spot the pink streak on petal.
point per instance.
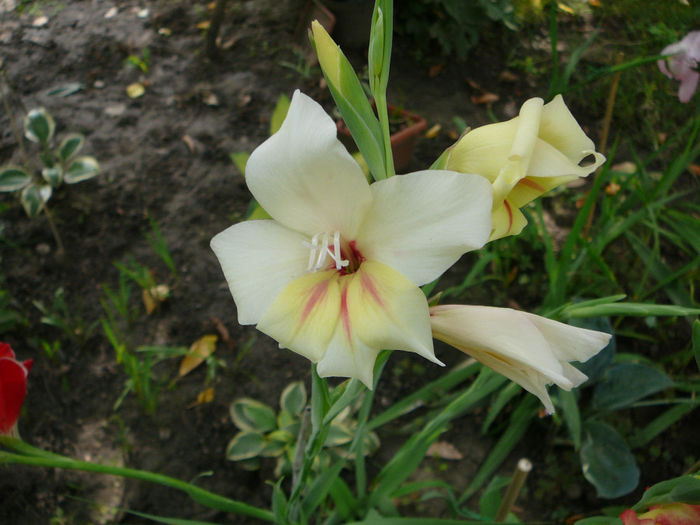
(319, 291)
(368, 285)
(345, 314)
(531, 184)
(510, 215)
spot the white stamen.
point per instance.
(336, 255)
(322, 253)
(313, 248)
(319, 254)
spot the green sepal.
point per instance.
(358, 114)
(13, 179)
(240, 159)
(279, 113)
(82, 168)
(70, 146)
(39, 126)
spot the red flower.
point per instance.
(664, 514)
(13, 388)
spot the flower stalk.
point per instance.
(32, 456)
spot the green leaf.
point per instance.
(288, 422)
(65, 90)
(245, 445)
(279, 503)
(600, 520)
(338, 434)
(70, 146)
(572, 415)
(683, 489)
(696, 341)
(507, 393)
(53, 175)
(596, 366)
(625, 383)
(39, 126)
(273, 447)
(606, 461)
(252, 415)
(293, 398)
(490, 500)
(524, 414)
(13, 179)
(82, 168)
(644, 435)
(34, 198)
(240, 159)
(279, 114)
(632, 309)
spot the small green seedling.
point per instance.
(265, 433)
(57, 164)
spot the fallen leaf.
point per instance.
(189, 142)
(223, 332)
(485, 98)
(435, 70)
(152, 297)
(135, 90)
(210, 99)
(199, 351)
(115, 110)
(204, 25)
(433, 132)
(508, 76)
(206, 396)
(444, 450)
(625, 167)
(694, 169)
(612, 189)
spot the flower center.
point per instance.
(320, 249)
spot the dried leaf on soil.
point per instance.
(199, 351)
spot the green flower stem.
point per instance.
(32, 456)
(383, 114)
(60, 252)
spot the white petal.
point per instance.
(304, 316)
(528, 349)
(386, 310)
(483, 150)
(259, 258)
(547, 161)
(345, 360)
(305, 178)
(421, 223)
(559, 128)
(569, 343)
